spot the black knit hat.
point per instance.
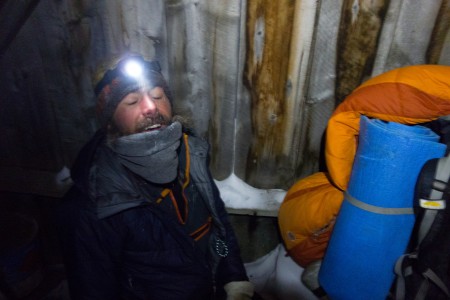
(116, 84)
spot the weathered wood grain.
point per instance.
(360, 26)
(440, 37)
(268, 36)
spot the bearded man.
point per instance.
(144, 218)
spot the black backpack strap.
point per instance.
(434, 278)
(400, 290)
(435, 201)
(431, 199)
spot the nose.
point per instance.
(148, 106)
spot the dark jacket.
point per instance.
(118, 243)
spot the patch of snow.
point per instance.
(239, 195)
(277, 277)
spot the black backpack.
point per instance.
(424, 272)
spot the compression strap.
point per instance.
(378, 209)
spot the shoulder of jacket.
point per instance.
(198, 146)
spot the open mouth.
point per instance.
(153, 127)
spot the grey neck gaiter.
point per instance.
(152, 155)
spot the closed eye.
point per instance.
(156, 95)
(132, 100)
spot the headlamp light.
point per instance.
(131, 68)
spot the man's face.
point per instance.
(143, 110)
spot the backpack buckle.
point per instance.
(438, 204)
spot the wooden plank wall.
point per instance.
(258, 78)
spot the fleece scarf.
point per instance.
(151, 155)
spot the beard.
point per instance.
(150, 121)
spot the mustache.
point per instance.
(152, 120)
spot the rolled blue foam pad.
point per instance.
(366, 242)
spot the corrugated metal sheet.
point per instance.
(258, 78)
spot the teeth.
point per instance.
(153, 126)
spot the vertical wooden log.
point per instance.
(276, 62)
(440, 38)
(269, 28)
(358, 34)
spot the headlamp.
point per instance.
(131, 68)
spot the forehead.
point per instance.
(147, 90)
